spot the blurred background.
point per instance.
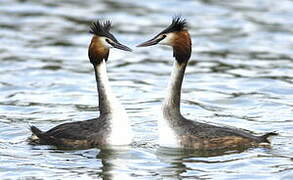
(240, 74)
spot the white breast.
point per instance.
(121, 132)
(167, 136)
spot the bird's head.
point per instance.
(176, 36)
(102, 41)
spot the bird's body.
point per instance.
(79, 134)
(113, 126)
(98, 132)
(174, 129)
(192, 134)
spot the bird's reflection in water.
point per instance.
(114, 163)
(177, 160)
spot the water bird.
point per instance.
(112, 127)
(174, 129)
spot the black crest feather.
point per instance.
(102, 29)
(178, 24)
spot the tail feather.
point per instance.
(36, 131)
(42, 138)
(264, 138)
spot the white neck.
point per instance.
(108, 103)
(111, 107)
(171, 115)
(171, 104)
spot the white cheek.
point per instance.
(104, 42)
(168, 40)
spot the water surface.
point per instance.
(240, 74)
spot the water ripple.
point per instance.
(240, 74)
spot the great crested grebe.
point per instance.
(113, 126)
(174, 129)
